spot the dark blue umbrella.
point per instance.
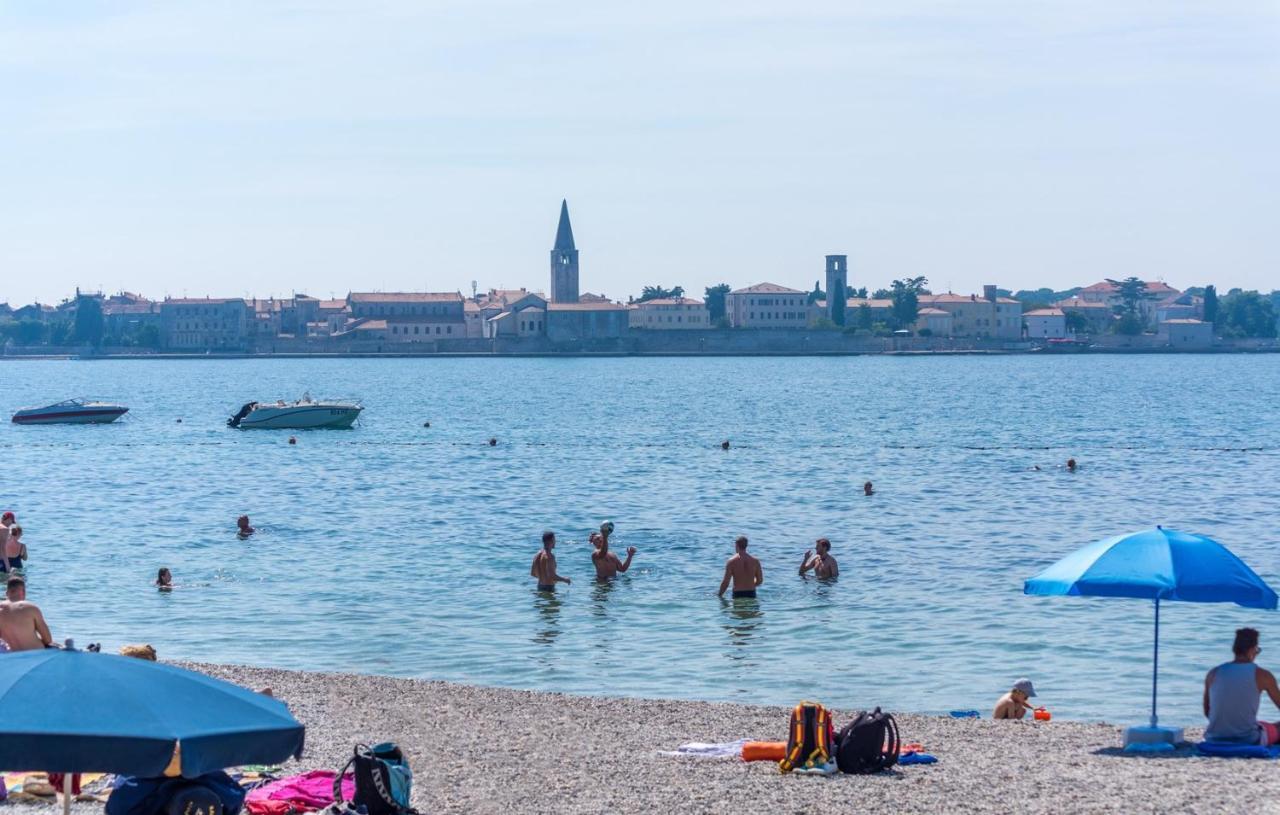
(1156, 564)
(73, 711)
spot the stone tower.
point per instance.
(564, 261)
(837, 284)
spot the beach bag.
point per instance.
(210, 794)
(809, 737)
(383, 780)
(868, 744)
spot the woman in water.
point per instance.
(15, 551)
(164, 580)
(244, 530)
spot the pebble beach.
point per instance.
(487, 750)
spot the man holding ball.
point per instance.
(607, 563)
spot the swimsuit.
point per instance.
(546, 587)
(15, 563)
(748, 594)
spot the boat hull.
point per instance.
(293, 417)
(81, 416)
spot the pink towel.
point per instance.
(309, 791)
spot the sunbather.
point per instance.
(1232, 692)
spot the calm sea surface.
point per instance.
(393, 548)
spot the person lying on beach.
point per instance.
(743, 571)
(1015, 704)
(15, 551)
(822, 564)
(607, 563)
(1231, 694)
(243, 528)
(164, 580)
(22, 626)
(544, 565)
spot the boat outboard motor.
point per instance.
(234, 421)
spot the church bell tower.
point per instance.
(564, 261)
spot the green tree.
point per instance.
(861, 293)
(1131, 291)
(88, 324)
(864, 320)
(881, 294)
(1247, 314)
(1077, 323)
(715, 301)
(148, 336)
(906, 301)
(60, 333)
(1210, 304)
(659, 293)
(817, 293)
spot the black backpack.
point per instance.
(382, 779)
(868, 744)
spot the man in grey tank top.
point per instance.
(1231, 694)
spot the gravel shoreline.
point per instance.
(494, 750)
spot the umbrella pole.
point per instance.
(1155, 666)
(66, 794)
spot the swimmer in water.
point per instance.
(7, 520)
(242, 525)
(1071, 465)
(867, 489)
(743, 571)
(822, 564)
(724, 445)
(15, 551)
(164, 580)
(607, 563)
(544, 565)
(493, 442)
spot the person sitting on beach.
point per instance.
(822, 564)
(164, 580)
(743, 571)
(1015, 704)
(15, 551)
(544, 565)
(22, 626)
(607, 563)
(243, 528)
(1232, 692)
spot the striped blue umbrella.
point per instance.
(1156, 564)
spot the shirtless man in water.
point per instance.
(822, 564)
(22, 626)
(607, 563)
(743, 570)
(544, 565)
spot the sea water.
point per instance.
(401, 549)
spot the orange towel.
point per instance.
(764, 751)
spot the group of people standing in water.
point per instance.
(22, 624)
(742, 571)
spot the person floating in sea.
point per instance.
(22, 626)
(743, 571)
(867, 489)
(493, 442)
(607, 563)
(14, 550)
(243, 528)
(1231, 695)
(822, 564)
(1015, 704)
(1071, 465)
(164, 580)
(544, 565)
(724, 445)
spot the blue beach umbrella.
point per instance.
(74, 711)
(1156, 564)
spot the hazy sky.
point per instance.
(266, 147)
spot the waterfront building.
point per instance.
(937, 322)
(1107, 293)
(988, 316)
(670, 313)
(412, 316)
(1179, 307)
(837, 286)
(1098, 315)
(1187, 334)
(1046, 324)
(586, 321)
(205, 324)
(877, 311)
(564, 261)
(767, 305)
(127, 319)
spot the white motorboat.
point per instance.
(72, 411)
(304, 414)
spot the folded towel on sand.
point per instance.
(298, 793)
(1221, 750)
(699, 749)
(917, 758)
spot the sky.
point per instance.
(243, 147)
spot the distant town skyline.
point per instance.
(253, 149)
